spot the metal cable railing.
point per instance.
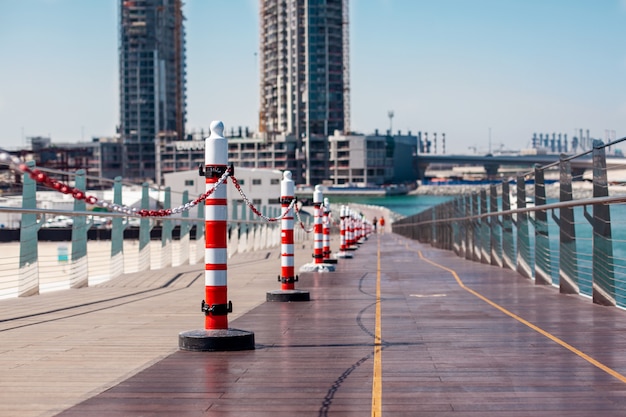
(577, 244)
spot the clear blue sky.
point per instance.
(463, 67)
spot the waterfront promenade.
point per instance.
(399, 330)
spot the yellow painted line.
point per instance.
(377, 383)
(550, 336)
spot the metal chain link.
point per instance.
(43, 178)
(254, 209)
(301, 222)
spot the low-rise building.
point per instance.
(370, 160)
(360, 160)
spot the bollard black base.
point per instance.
(330, 261)
(216, 340)
(288, 295)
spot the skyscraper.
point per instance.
(304, 72)
(152, 81)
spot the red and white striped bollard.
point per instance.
(318, 228)
(287, 271)
(287, 275)
(343, 234)
(326, 230)
(216, 335)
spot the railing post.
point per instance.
(79, 277)
(469, 227)
(495, 232)
(432, 236)
(200, 235)
(166, 231)
(568, 261)
(441, 227)
(448, 226)
(185, 227)
(244, 229)
(117, 233)
(216, 335)
(477, 240)
(543, 264)
(460, 224)
(143, 259)
(29, 263)
(485, 241)
(457, 229)
(508, 247)
(524, 264)
(603, 272)
(264, 231)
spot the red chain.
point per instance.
(302, 225)
(48, 181)
(44, 179)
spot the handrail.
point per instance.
(572, 157)
(544, 207)
(569, 249)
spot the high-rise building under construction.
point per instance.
(304, 73)
(152, 82)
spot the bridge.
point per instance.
(492, 163)
(464, 310)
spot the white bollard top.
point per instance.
(217, 129)
(287, 185)
(318, 195)
(216, 145)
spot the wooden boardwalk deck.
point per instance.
(399, 330)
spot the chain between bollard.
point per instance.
(44, 179)
(301, 222)
(256, 210)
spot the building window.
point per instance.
(256, 181)
(189, 183)
(274, 181)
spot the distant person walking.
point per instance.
(375, 222)
(382, 224)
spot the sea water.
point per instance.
(404, 205)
